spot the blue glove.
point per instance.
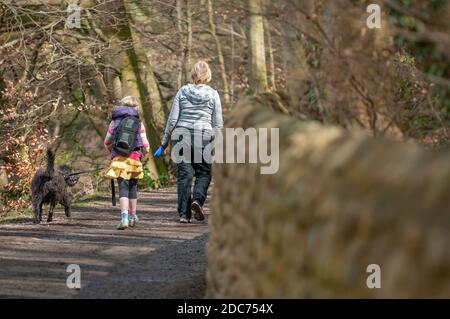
(159, 152)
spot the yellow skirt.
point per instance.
(126, 168)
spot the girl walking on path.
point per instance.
(197, 110)
(127, 169)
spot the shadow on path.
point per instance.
(159, 258)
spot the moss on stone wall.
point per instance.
(340, 201)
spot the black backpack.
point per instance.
(125, 136)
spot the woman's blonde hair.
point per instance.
(130, 101)
(200, 73)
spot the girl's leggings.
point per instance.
(127, 188)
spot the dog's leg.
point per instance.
(65, 203)
(40, 211)
(50, 211)
(37, 204)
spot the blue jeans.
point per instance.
(186, 170)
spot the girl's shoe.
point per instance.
(133, 220)
(184, 220)
(123, 225)
(123, 221)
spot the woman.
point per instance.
(198, 106)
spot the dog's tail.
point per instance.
(50, 162)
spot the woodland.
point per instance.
(63, 68)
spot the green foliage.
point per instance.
(315, 93)
(428, 58)
(64, 157)
(404, 90)
(7, 196)
(149, 182)
(20, 216)
(79, 96)
(313, 51)
(2, 87)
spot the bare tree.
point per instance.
(212, 26)
(258, 69)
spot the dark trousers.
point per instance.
(127, 188)
(186, 171)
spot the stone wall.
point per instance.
(340, 201)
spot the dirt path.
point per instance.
(160, 258)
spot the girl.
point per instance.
(127, 170)
(196, 105)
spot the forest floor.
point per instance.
(159, 258)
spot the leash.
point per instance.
(85, 172)
(113, 188)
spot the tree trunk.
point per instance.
(272, 83)
(117, 88)
(232, 64)
(152, 99)
(296, 67)
(181, 62)
(258, 70)
(188, 48)
(130, 86)
(138, 80)
(212, 26)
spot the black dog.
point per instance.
(49, 186)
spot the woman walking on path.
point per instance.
(197, 110)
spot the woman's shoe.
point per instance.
(197, 209)
(184, 220)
